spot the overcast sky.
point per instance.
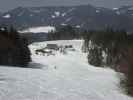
(10, 4)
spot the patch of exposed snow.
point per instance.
(7, 16)
(44, 29)
(78, 26)
(70, 10)
(63, 24)
(115, 8)
(68, 19)
(53, 16)
(63, 14)
(2, 29)
(97, 11)
(57, 13)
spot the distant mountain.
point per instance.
(126, 10)
(84, 16)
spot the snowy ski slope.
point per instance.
(60, 77)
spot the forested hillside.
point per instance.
(14, 49)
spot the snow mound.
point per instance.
(41, 29)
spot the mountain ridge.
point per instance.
(84, 16)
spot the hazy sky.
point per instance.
(10, 4)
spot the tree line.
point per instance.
(64, 33)
(14, 49)
(112, 48)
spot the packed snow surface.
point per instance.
(44, 29)
(59, 77)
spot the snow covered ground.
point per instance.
(41, 29)
(60, 77)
